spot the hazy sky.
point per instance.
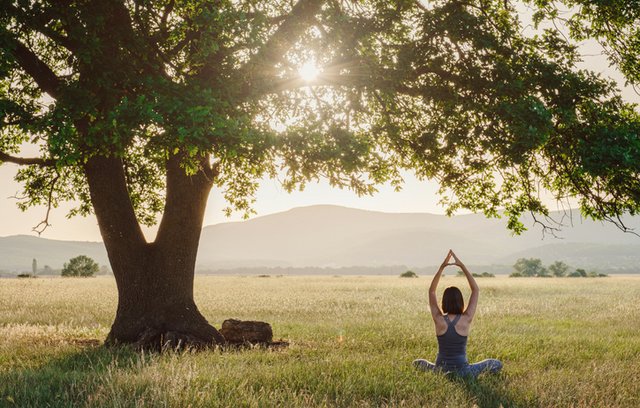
(416, 196)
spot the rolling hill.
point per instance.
(17, 252)
(332, 236)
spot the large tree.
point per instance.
(139, 107)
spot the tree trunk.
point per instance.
(155, 280)
(156, 307)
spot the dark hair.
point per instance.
(452, 301)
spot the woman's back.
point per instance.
(452, 347)
(462, 325)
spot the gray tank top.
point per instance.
(452, 347)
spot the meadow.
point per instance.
(565, 342)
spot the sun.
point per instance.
(309, 71)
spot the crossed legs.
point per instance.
(490, 365)
(424, 365)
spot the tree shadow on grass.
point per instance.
(490, 391)
(65, 380)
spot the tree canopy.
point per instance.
(448, 89)
(559, 268)
(529, 267)
(614, 24)
(81, 265)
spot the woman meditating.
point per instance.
(453, 324)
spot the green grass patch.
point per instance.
(564, 343)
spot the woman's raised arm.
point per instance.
(433, 300)
(475, 290)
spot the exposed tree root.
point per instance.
(243, 335)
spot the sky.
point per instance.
(416, 196)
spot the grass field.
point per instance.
(564, 342)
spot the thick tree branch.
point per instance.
(39, 23)
(112, 204)
(119, 16)
(168, 8)
(44, 76)
(421, 5)
(183, 217)
(26, 161)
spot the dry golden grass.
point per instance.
(565, 342)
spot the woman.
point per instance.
(453, 324)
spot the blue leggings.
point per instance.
(490, 365)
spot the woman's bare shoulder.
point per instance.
(441, 325)
(464, 325)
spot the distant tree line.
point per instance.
(314, 270)
(81, 265)
(477, 275)
(533, 267)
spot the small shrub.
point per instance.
(582, 272)
(408, 274)
(26, 275)
(516, 275)
(478, 275)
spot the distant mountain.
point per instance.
(332, 236)
(18, 251)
